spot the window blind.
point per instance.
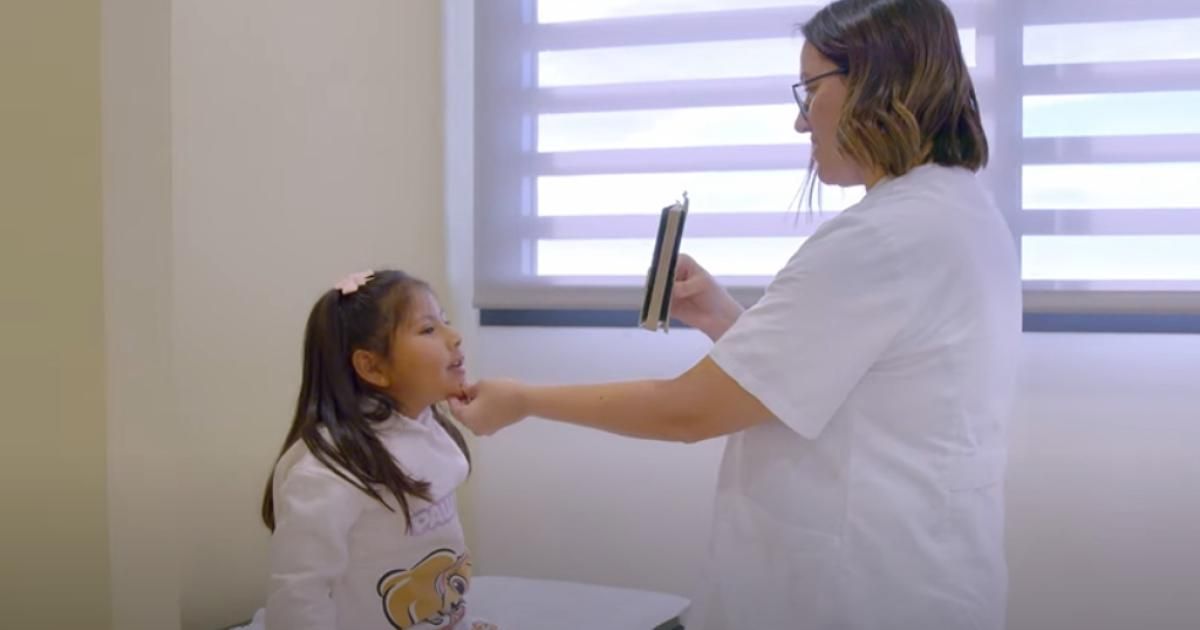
(592, 116)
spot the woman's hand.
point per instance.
(698, 301)
(490, 405)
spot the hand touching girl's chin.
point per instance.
(490, 405)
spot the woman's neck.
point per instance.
(874, 176)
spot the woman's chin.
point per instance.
(837, 177)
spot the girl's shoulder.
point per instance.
(298, 462)
(305, 488)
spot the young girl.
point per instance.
(361, 502)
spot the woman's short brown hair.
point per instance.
(910, 99)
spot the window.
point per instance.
(591, 116)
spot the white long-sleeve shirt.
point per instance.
(342, 561)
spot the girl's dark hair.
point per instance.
(910, 100)
(336, 409)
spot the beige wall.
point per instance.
(306, 143)
(143, 441)
(53, 534)
(251, 155)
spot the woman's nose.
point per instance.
(801, 124)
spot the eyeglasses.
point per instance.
(800, 90)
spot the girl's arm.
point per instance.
(702, 403)
(314, 511)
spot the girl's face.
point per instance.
(425, 362)
(826, 96)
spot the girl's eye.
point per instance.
(428, 330)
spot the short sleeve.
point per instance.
(824, 320)
(314, 512)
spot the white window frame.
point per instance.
(504, 159)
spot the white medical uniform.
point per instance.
(887, 350)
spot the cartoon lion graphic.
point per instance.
(430, 592)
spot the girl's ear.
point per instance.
(369, 368)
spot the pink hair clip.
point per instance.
(354, 282)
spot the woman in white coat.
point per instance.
(865, 396)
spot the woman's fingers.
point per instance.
(684, 289)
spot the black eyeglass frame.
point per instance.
(800, 89)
